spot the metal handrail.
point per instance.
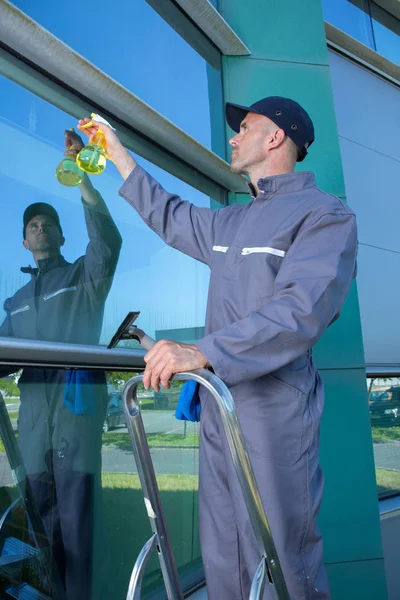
(269, 571)
(23, 353)
(35, 353)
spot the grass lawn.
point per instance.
(122, 440)
(385, 434)
(146, 403)
(128, 526)
(387, 480)
(166, 483)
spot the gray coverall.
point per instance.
(61, 450)
(281, 268)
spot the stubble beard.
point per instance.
(237, 166)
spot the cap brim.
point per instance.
(235, 113)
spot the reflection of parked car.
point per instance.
(374, 396)
(385, 407)
(115, 412)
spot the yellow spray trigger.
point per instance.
(87, 125)
(98, 119)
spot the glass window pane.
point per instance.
(384, 408)
(174, 449)
(366, 147)
(141, 51)
(352, 17)
(78, 502)
(168, 287)
(386, 32)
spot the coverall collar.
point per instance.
(284, 184)
(45, 264)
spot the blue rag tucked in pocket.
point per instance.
(189, 407)
(79, 392)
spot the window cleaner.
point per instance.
(92, 157)
(67, 172)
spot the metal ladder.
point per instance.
(268, 572)
(15, 552)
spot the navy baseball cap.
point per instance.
(40, 208)
(284, 112)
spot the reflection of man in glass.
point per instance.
(62, 412)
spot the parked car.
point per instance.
(115, 412)
(385, 407)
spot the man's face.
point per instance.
(249, 146)
(43, 235)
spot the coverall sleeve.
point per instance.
(102, 253)
(311, 286)
(6, 331)
(179, 223)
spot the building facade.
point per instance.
(160, 72)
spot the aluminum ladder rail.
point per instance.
(268, 572)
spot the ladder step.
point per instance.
(14, 546)
(11, 559)
(24, 591)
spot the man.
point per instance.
(60, 426)
(281, 268)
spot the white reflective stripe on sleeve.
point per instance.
(23, 309)
(263, 250)
(61, 291)
(220, 248)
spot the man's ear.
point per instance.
(277, 138)
(62, 241)
(25, 245)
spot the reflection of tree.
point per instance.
(118, 379)
(371, 384)
(9, 385)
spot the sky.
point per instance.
(163, 70)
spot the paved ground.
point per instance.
(387, 455)
(183, 460)
(165, 460)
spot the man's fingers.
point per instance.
(154, 351)
(155, 381)
(147, 378)
(151, 375)
(88, 131)
(165, 376)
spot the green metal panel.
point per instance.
(349, 515)
(289, 57)
(247, 80)
(363, 580)
(279, 29)
(340, 347)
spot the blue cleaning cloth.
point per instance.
(189, 407)
(79, 392)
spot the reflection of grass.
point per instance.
(13, 415)
(122, 440)
(387, 480)
(385, 434)
(2, 449)
(128, 525)
(146, 403)
(166, 483)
